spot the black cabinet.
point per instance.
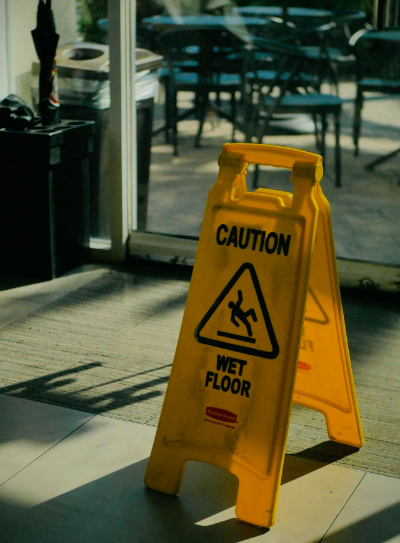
(45, 198)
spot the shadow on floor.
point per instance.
(368, 316)
(377, 528)
(118, 507)
(327, 452)
(45, 389)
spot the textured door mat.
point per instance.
(108, 347)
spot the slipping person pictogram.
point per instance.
(242, 304)
(243, 316)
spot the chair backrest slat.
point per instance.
(206, 51)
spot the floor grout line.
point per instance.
(49, 449)
(344, 505)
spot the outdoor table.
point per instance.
(278, 11)
(161, 22)
(217, 24)
(302, 16)
(382, 35)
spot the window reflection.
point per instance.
(337, 48)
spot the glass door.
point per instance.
(364, 207)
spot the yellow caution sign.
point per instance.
(247, 331)
(324, 379)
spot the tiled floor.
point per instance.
(29, 429)
(373, 512)
(71, 477)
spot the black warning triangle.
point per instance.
(314, 310)
(220, 335)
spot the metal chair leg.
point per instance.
(324, 125)
(167, 109)
(338, 158)
(203, 108)
(249, 121)
(256, 176)
(316, 131)
(174, 119)
(233, 114)
(357, 120)
(261, 132)
(382, 159)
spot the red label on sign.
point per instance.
(221, 414)
(303, 365)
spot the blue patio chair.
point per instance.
(289, 95)
(200, 61)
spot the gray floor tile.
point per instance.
(28, 429)
(372, 515)
(90, 488)
(311, 496)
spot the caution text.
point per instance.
(232, 366)
(253, 239)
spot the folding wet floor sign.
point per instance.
(263, 305)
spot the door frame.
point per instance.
(4, 51)
(179, 250)
(122, 167)
(176, 249)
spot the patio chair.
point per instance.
(198, 61)
(382, 55)
(292, 95)
(327, 41)
(332, 44)
(286, 32)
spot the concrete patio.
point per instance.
(364, 211)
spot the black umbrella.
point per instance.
(46, 39)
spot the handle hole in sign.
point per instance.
(271, 178)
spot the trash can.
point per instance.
(45, 203)
(84, 91)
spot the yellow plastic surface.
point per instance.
(229, 395)
(324, 379)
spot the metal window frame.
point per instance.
(180, 250)
(4, 51)
(123, 207)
